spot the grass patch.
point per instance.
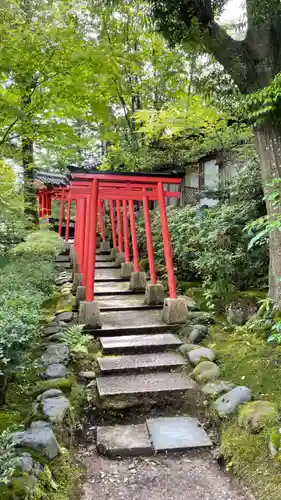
(247, 359)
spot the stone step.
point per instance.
(133, 322)
(103, 258)
(113, 287)
(106, 265)
(124, 302)
(108, 275)
(140, 362)
(155, 435)
(139, 343)
(144, 384)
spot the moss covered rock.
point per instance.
(206, 371)
(255, 415)
(184, 349)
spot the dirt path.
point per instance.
(173, 477)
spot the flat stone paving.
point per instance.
(124, 440)
(103, 258)
(138, 362)
(117, 302)
(137, 320)
(177, 434)
(144, 383)
(108, 275)
(127, 342)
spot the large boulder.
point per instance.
(199, 317)
(229, 402)
(66, 317)
(40, 437)
(255, 415)
(206, 371)
(201, 354)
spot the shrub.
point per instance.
(214, 248)
(26, 282)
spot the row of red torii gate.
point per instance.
(89, 191)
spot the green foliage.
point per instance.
(26, 281)
(77, 341)
(8, 458)
(214, 248)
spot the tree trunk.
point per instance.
(268, 138)
(30, 201)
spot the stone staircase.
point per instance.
(140, 366)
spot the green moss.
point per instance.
(248, 457)
(9, 418)
(249, 360)
(65, 384)
(275, 438)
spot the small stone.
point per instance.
(198, 333)
(50, 330)
(186, 348)
(50, 393)
(26, 462)
(65, 316)
(255, 415)
(199, 317)
(206, 371)
(229, 402)
(88, 375)
(57, 337)
(216, 388)
(201, 354)
(39, 438)
(55, 408)
(56, 370)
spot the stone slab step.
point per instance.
(126, 343)
(140, 362)
(124, 302)
(148, 383)
(133, 322)
(106, 265)
(108, 275)
(177, 434)
(103, 258)
(124, 440)
(99, 252)
(113, 287)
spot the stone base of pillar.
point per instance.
(114, 253)
(80, 295)
(77, 281)
(66, 247)
(175, 311)
(120, 259)
(104, 247)
(89, 314)
(138, 281)
(127, 268)
(154, 294)
(98, 241)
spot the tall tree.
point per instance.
(252, 62)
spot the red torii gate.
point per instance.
(90, 190)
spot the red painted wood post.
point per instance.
(92, 242)
(114, 240)
(82, 235)
(61, 212)
(39, 203)
(68, 217)
(134, 237)
(167, 242)
(101, 218)
(119, 226)
(126, 232)
(149, 240)
(87, 229)
(76, 233)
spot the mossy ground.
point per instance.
(247, 359)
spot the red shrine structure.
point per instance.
(91, 192)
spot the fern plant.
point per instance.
(76, 341)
